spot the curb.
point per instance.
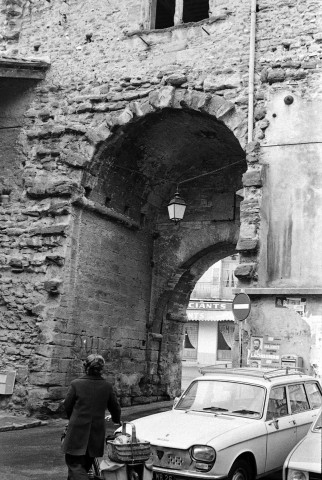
(125, 411)
(23, 426)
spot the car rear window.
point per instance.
(231, 398)
(298, 400)
(314, 394)
(317, 425)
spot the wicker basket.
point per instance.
(133, 452)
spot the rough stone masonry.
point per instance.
(89, 158)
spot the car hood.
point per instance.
(181, 429)
(307, 454)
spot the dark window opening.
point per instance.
(126, 210)
(88, 191)
(107, 201)
(195, 10)
(164, 16)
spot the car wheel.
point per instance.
(241, 470)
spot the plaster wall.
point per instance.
(295, 331)
(292, 195)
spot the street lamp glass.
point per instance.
(176, 208)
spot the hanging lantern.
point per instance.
(176, 208)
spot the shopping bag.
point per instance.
(112, 471)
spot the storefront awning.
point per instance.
(209, 316)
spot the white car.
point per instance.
(235, 423)
(304, 461)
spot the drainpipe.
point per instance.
(251, 70)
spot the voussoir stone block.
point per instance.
(176, 79)
(125, 117)
(164, 98)
(74, 159)
(247, 244)
(245, 270)
(252, 178)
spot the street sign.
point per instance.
(241, 306)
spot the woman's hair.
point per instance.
(94, 364)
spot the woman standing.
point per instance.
(87, 399)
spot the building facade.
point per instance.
(210, 329)
(105, 107)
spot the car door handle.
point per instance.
(275, 423)
(293, 421)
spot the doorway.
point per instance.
(209, 332)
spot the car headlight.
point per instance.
(203, 453)
(297, 475)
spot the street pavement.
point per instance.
(30, 449)
(32, 452)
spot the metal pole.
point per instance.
(251, 70)
(240, 344)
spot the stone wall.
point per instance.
(61, 237)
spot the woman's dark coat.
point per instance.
(87, 399)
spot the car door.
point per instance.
(314, 395)
(300, 409)
(281, 431)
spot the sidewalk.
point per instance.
(19, 422)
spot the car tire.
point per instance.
(241, 470)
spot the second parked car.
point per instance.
(305, 460)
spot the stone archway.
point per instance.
(111, 193)
(170, 314)
(130, 180)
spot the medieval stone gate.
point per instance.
(91, 153)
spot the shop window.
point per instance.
(164, 16)
(195, 10)
(190, 343)
(225, 340)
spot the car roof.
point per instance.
(255, 375)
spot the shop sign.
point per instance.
(200, 305)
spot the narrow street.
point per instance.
(34, 454)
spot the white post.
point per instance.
(178, 14)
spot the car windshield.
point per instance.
(223, 397)
(317, 425)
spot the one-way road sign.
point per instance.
(241, 306)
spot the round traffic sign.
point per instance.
(241, 306)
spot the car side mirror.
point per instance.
(175, 402)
